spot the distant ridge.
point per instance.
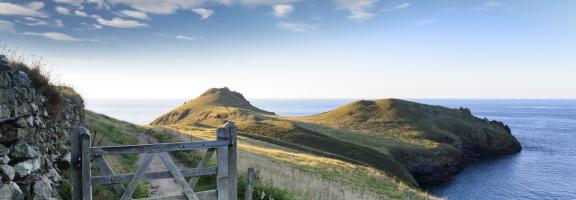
(413, 141)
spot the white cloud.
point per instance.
(32, 9)
(62, 10)
(7, 26)
(399, 7)
(426, 21)
(162, 7)
(100, 4)
(295, 27)
(183, 37)
(87, 26)
(59, 37)
(59, 23)
(359, 9)
(80, 13)
(135, 14)
(31, 21)
(265, 2)
(204, 13)
(282, 9)
(121, 23)
(71, 2)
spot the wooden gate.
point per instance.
(226, 172)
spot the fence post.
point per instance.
(76, 167)
(232, 160)
(250, 185)
(222, 185)
(86, 166)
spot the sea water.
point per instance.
(545, 169)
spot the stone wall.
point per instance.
(34, 127)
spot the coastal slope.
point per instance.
(415, 142)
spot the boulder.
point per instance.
(22, 151)
(26, 167)
(11, 191)
(4, 150)
(7, 172)
(42, 190)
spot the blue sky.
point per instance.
(301, 48)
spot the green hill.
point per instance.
(414, 142)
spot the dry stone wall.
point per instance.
(34, 148)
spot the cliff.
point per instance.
(35, 120)
(413, 141)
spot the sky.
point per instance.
(165, 49)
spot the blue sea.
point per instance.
(545, 169)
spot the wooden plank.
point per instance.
(107, 170)
(204, 195)
(119, 178)
(86, 166)
(203, 163)
(76, 169)
(250, 185)
(157, 148)
(137, 177)
(178, 176)
(222, 176)
(232, 161)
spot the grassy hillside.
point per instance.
(409, 140)
(287, 168)
(107, 131)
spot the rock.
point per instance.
(53, 175)
(4, 159)
(26, 167)
(22, 79)
(30, 121)
(4, 112)
(4, 150)
(42, 189)
(22, 151)
(7, 172)
(11, 191)
(4, 63)
(21, 123)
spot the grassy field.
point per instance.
(306, 175)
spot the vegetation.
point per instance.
(408, 140)
(107, 131)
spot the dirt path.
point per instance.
(159, 187)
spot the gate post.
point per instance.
(81, 169)
(227, 172)
(86, 164)
(232, 160)
(76, 167)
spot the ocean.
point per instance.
(545, 169)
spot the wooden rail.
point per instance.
(226, 170)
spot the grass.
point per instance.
(114, 132)
(107, 131)
(308, 176)
(409, 140)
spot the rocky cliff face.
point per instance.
(35, 120)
